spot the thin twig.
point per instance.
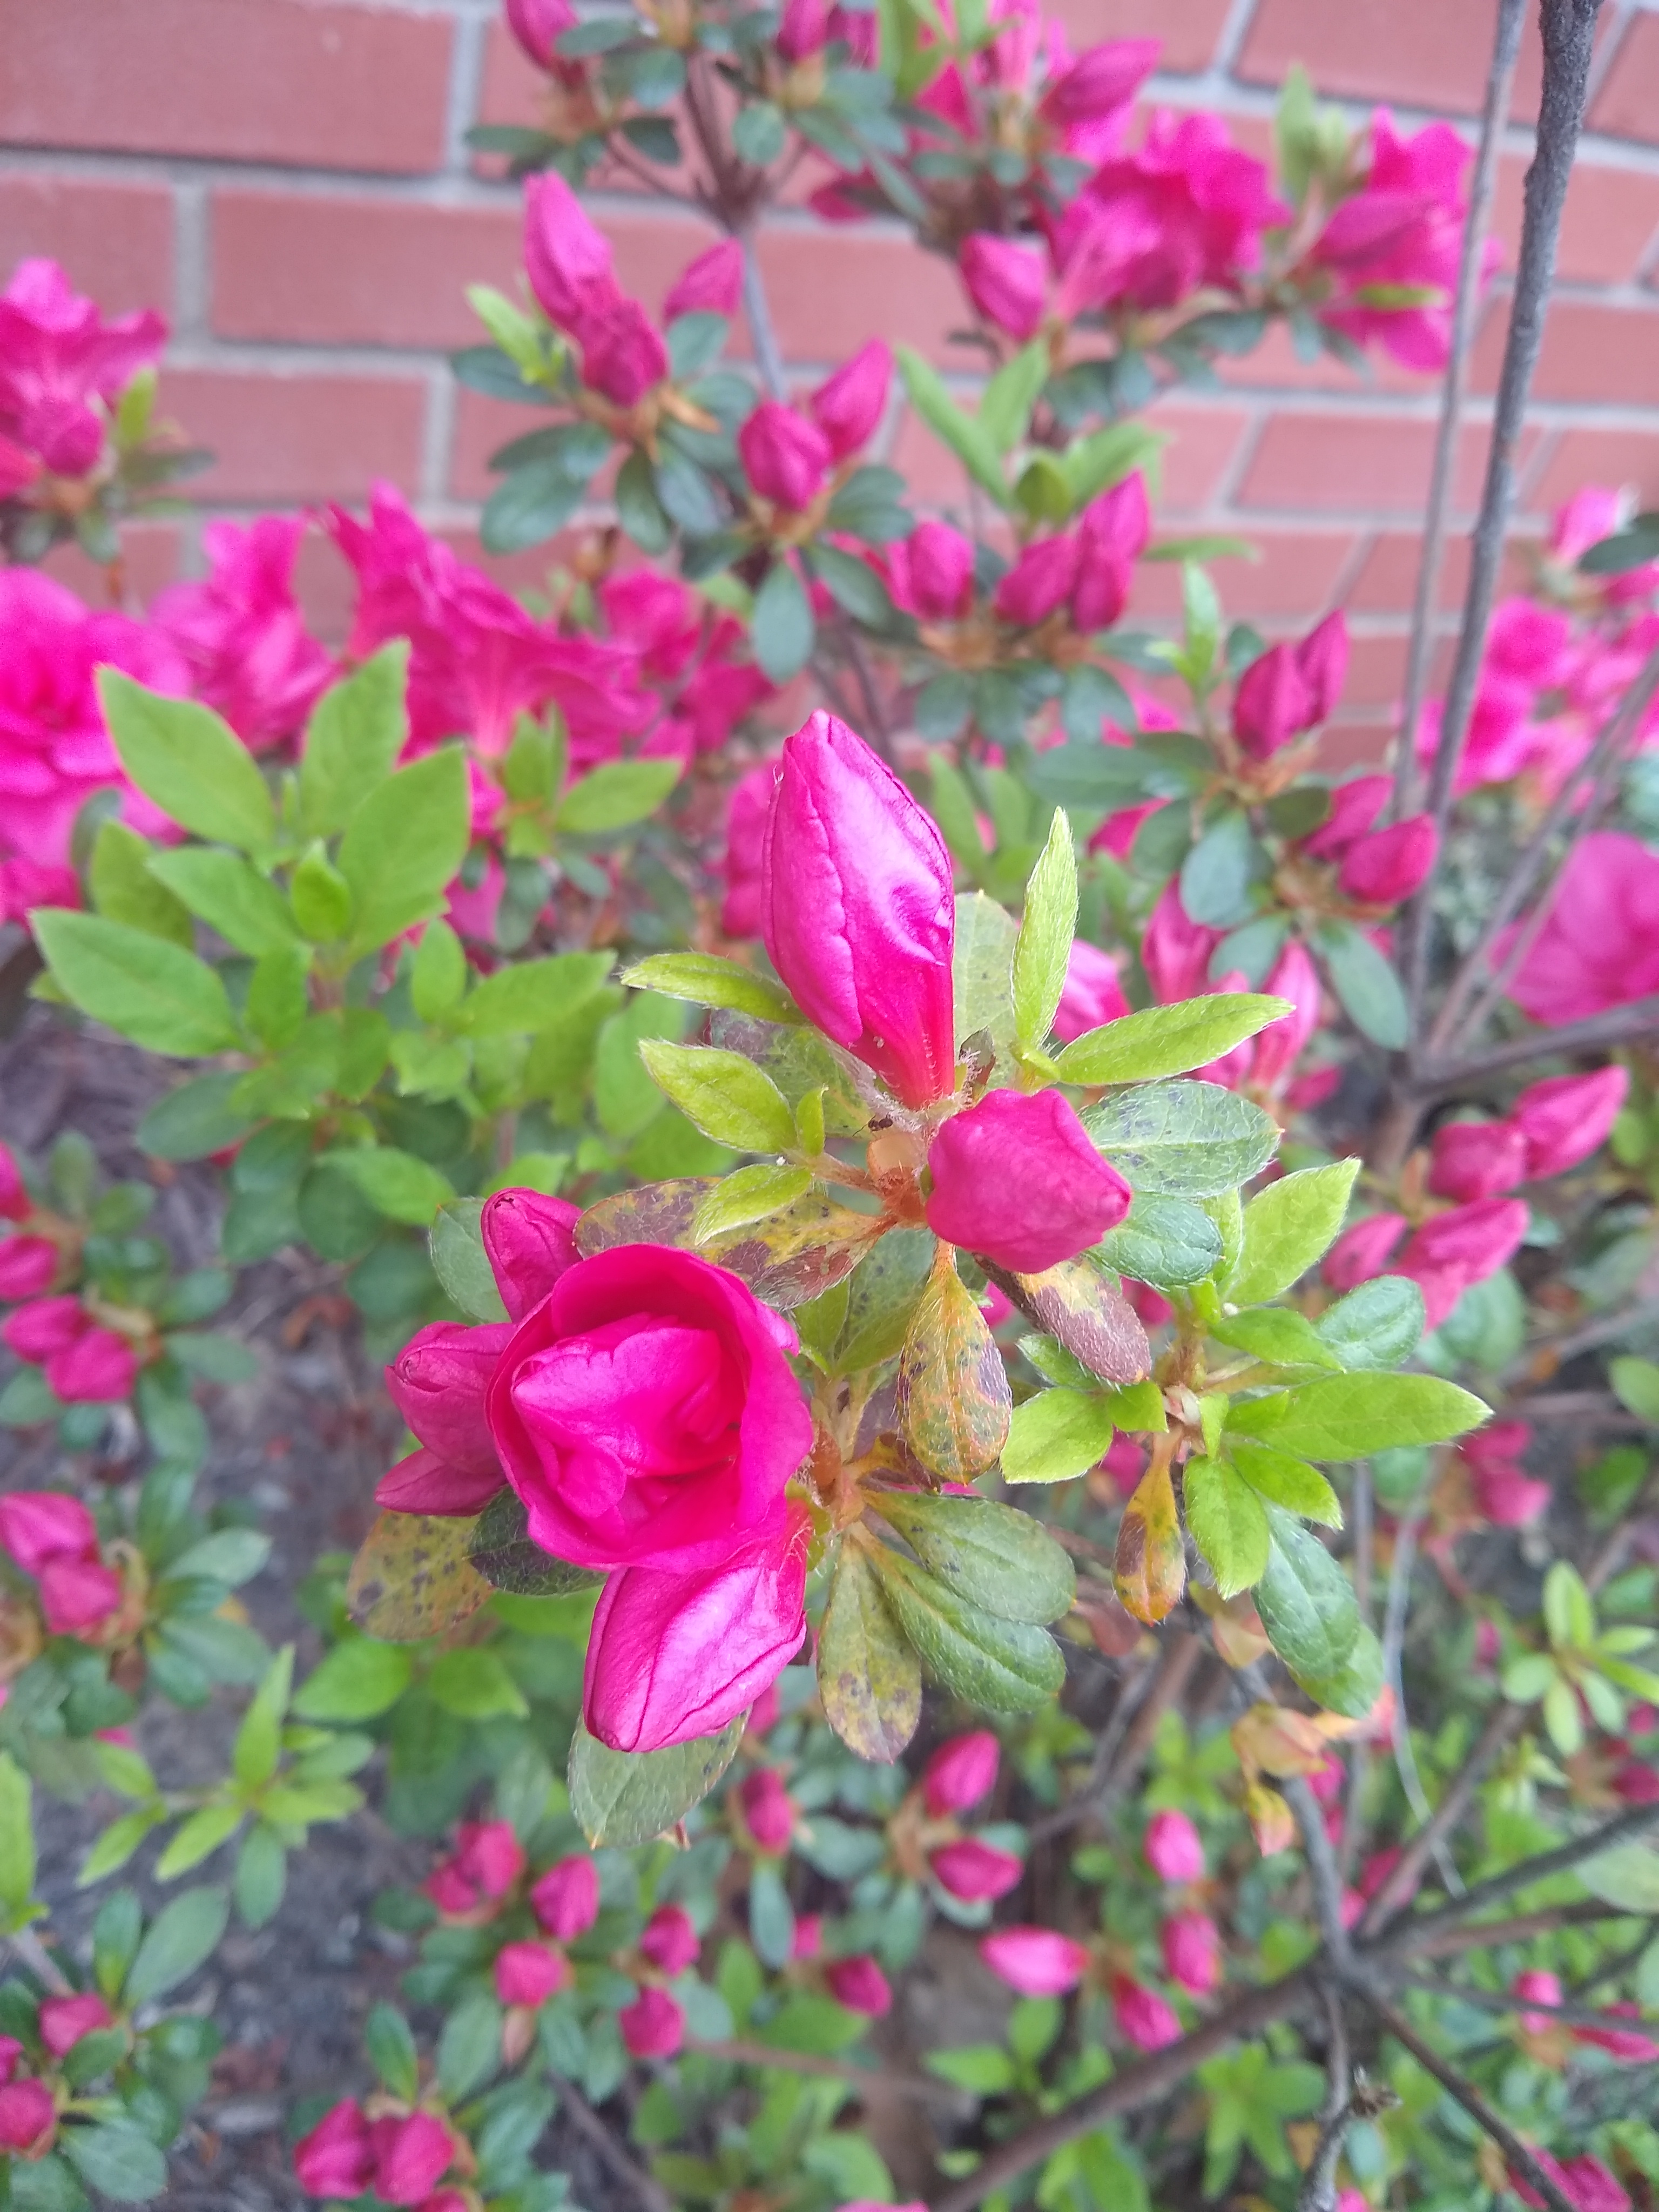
(32, 1954)
(1500, 77)
(1504, 2002)
(1413, 1942)
(1618, 1025)
(1503, 1723)
(1141, 1705)
(1622, 1829)
(1318, 2190)
(1569, 35)
(586, 2121)
(883, 2081)
(1520, 2159)
(1393, 1638)
(768, 359)
(1606, 1328)
(1322, 1868)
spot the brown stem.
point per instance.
(1318, 2190)
(1503, 1725)
(643, 2186)
(1621, 1830)
(1520, 2159)
(1451, 1942)
(1504, 2002)
(887, 2082)
(1122, 1747)
(1619, 1025)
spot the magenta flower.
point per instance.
(975, 1871)
(670, 1940)
(1584, 2182)
(411, 2156)
(1624, 2044)
(1386, 865)
(1144, 2019)
(566, 258)
(1191, 1944)
(486, 1865)
(1112, 533)
(931, 572)
(653, 2026)
(537, 25)
(1504, 1493)
(336, 2159)
(1006, 281)
(565, 1898)
(786, 457)
(243, 634)
(1173, 1848)
(78, 1596)
(710, 285)
(804, 30)
(1035, 1961)
(57, 356)
(622, 352)
(64, 2020)
(848, 406)
(858, 909)
(1361, 1253)
(1599, 946)
(1089, 102)
(745, 844)
(1537, 1988)
(768, 1813)
(960, 1772)
(38, 1525)
(1040, 581)
(529, 1973)
(860, 1985)
(28, 1265)
(1477, 1159)
(28, 2117)
(16, 1204)
(1176, 951)
(1354, 806)
(1291, 689)
(1281, 1044)
(96, 1368)
(1565, 1118)
(1017, 1180)
(1093, 992)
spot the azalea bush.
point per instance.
(1022, 1313)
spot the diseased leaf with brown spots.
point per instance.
(1150, 1570)
(414, 1578)
(1088, 1313)
(869, 1675)
(799, 1252)
(655, 1214)
(954, 1400)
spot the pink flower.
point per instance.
(97, 1368)
(565, 1898)
(1144, 2018)
(848, 405)
(1537, 1988)
(1584, 2182)
(1479, 1239)
(710, 285)
(1089, 101)
(804, 30)
(1322, 660)
(28, 2117)
(858, 909)
(1034, 1961)
(411, 2156)
(28, 1265)
(57, 356)
(1595, 512)
(1191, 1944)
(242, 632)
(622, 352)
(1006, 281)
(931, 572)
(1621, 2043)
(38, 1525)
(486, 1863)
(1174, 1849)
(974, 1871)
(1291, 689)
(745, 846)
(1112, 533)
(1040, 581)
(960, 1772)
(1354, 806)
(786, 457)
(1281, 1044)
(1361, 1253)
(674, 1655)
(1093, 992)
(64, 2020)
(1477, 1159)
(77, 1596)
(16, 1204)
(537, 25)
(1176, 951)
(653, 2026)
(1599, 947)
(1386, 865)
(567, 259)
(336, 2159)
(1565, 1118)
(1503, 1494)
(670, 1940)
(1017, 1180)
(769, 1814)
(860, 1985)
(42, 1326)
(529, 1973)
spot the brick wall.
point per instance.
(288, 180)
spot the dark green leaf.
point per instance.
(781, 627)
(1166, 1241)
(1188, 1139)
(1003, 1666)
(989, 1555)
(1306, 1603)
(501, 1550)
(624, 1799)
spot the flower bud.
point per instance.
(622, 352)
(1191, 1944)
(64, 2020)
(1537, 1988)
(1016, 1181)
(16, 1204)
(973, 1870)
(485, 1864)
(411, 2156)
(28, 2117)
(670, 1940)
(28, 1265)
(653, 2026)
(804, 31)
(536, 25)
(1040, 581)
(1034, 1961)
(931, 572)
(1112, 533)
(848, 405)
(1386, 865)
(860, 1985)
(1006, 282)
(1322, 661)
(710, 285)
(1635, 1783)
(1143, 2017)
(42, 1326)
(1503, 1494)
(1361, 1253)
(768, 1812)
(960, 1772)
(438, 1382)
(860, 911)
(38, 1525)
(1270, 702)
(1354, 806)
(785, 457)
(1281, 1044)
(1093, 992)
(1176, 951)
(335, 2159)
(1584, 2182)
(565, 1898)
(566, 258)
(1479, 1239)
(1477, 1159)
(529, 1240)
(1621, 2043)
(529, 1973)
(77, 1596)
(808, 1940)
(98, 1369)
(1100, 83)
(1567, 1118)
(1173, 1847)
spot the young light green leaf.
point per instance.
(356, 730)
(258, 1739)
(706, 981)
(356, 1680)
(1227, 1522)
(1343, 1417)
(161, 996)
(967, 438)
(16, 1840)
(1287, 1227)
(394, 1183)
(615, 795)
(1005, 411)
(722, 1094)
(1277, 1336)
(438, 977)
(1379, 1325)
(198, 1839)
(190, 762)
(124, 889)
(1168, 1040)
(750, 1195)
(406, 845)
(1055, 1435)
(1044, 946)
(229, 894)
(182, 1935)
(532, 995)
(1284, 1480)
(981, 970)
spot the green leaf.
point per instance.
(395, 1183)
(1188, 1139)
(984, 2070)
(624, 1799)
(615, 795)
(1284, 1480)
(142, 987)
(124, 889)
(230, 895)
(706, 981)
(1003, 1666)
(1055, 1435)
(1106, 457)
(460, 1261)
(529, 506)
(782, 629)
(750, 1195)
(1367, 985)
(968, 440)
(982, 970)
(1636, 1385)
(1306, 1603)
(1046, 927)
(1227, 1522)
(1216, 876)
(1278, 1335)
(231, 1556)
(1168, 1040)
(391, 2047)
(117, 2161)
(882, 1295)
(198, 1839)
(1005, 411)
(722, 1094)
(1355, 1688)
(1287, 1227)
(180, 1938)
(357, 1681)
(470, 2046)
(1380, 1325)
(258, 1739)
(854, 585)
(319, 897)
(356, 730)
(1343, 1417)
(406, 845)
(16, 1840)
(1166, 1241)
(532, 995)
(869, 1676)
(954, 1400)
(118, 1843)
(989, 1555)
(438, 977)
(190, 762)
(500, 1547)
(474, 1685)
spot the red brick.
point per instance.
(1288, 587)
(481, 425)
(1590, 353)
(1609, 220)
(1386, 582)
(287, 438)
(1627, 106)
(833, 288)
(1348, 745)
(1186, 29)
(115, 241)
(151, 555)
(1586, 456)
(1203, 442)
(511, 91)
(1352, 463)
(303, 81)
(1276, 366)
(1376, 671)
(1405, 50)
